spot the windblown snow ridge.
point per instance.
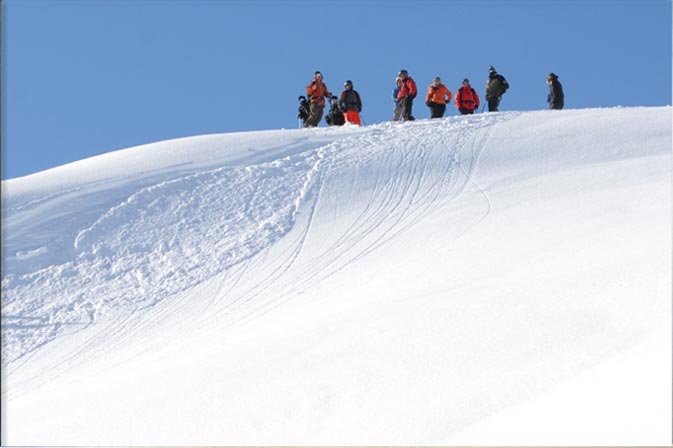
(161, 239)
(158, 242)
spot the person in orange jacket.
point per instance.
(437, 98)
(467, 100)
(317, 91)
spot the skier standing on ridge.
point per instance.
(407, 94)
(437, 98)
(350, 103)
(496, 86)
(317, 92)
(397, 107)
(555, 97)
(467, 100)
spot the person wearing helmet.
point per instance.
(397, 108)
(317, 92)
(350, 104)
(406, 95)
(437, 98)
(555, 97)
(467, 100)
(496, 86)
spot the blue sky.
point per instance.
(85, 77)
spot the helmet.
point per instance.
(466, 82)
(317, 73)
(348, 83)
(404, 73)
(491, 69)
(301, 98)
(437, 78)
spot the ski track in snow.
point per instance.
(429, 179)
(156, 241)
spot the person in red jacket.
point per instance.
(406, 95)
(317, 92)
(467, 100)
(437, 98)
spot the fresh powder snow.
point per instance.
(493, 279)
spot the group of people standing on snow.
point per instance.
(347, 107)
(344, 109)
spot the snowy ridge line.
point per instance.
(285, 285)
(113, 249)
(146, 248)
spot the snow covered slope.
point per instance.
(494, 279)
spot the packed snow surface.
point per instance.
(496, 279)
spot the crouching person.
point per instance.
(335, 117)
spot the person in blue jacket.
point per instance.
(555, 97)
(398, 106)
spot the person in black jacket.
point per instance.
(496, 86)
(555, 97)
(350, 103)
(335, 117)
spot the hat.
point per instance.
(551, 76)
(317, 73)
(301, 98)
(491, 69)
(348, 83)
(466, 81)
(437, 78)
(404, 72)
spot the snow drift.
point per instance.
(494, 279)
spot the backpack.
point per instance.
(304, 108)
(504, 85)
(463, 101)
